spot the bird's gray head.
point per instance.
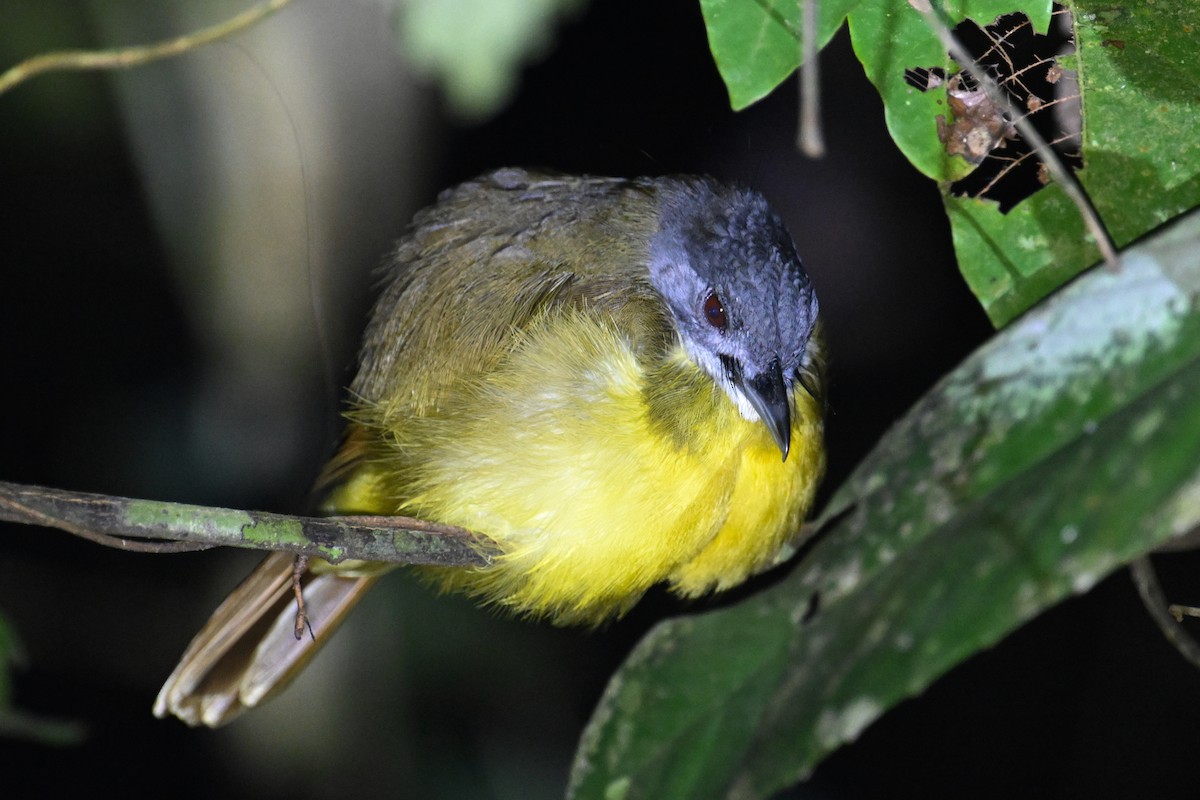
(743, 304)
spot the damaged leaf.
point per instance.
(1140, 154)
(1025, 66)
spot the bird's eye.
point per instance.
(714, 311)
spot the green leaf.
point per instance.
(1010, 260)
(756, 43)
(1140, 72)
(1059, 451)
(476, 48)
(17, 724)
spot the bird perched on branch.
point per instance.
(617, 382)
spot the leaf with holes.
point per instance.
(891, 38)
(1138, 73)
(1059, 451)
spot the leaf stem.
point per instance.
(812, 140)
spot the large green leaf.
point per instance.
(1057, 452)
(756, 43)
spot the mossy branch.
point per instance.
(145, 524)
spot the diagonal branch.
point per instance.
(397, 540)
(124, 57)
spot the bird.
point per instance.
(616, 381)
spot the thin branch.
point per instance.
(1146, 581)
(935, 17)
(397, 540)
(125, 57)
(1013, 163)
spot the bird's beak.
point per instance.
(768, 393)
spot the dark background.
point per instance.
(107, 387)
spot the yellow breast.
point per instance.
(597, 474)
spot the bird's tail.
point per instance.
(248, 651)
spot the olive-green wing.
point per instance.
(483, 262)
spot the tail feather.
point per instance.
(248, 650)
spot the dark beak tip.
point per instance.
(783, 440)
(768, 393)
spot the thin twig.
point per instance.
(1179, 612)
(125, 57)
(397, 540)
(299, 567)
(937, 21)
(1013, 163)
(1146, 581)
(812, 139)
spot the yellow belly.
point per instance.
(563, 458)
